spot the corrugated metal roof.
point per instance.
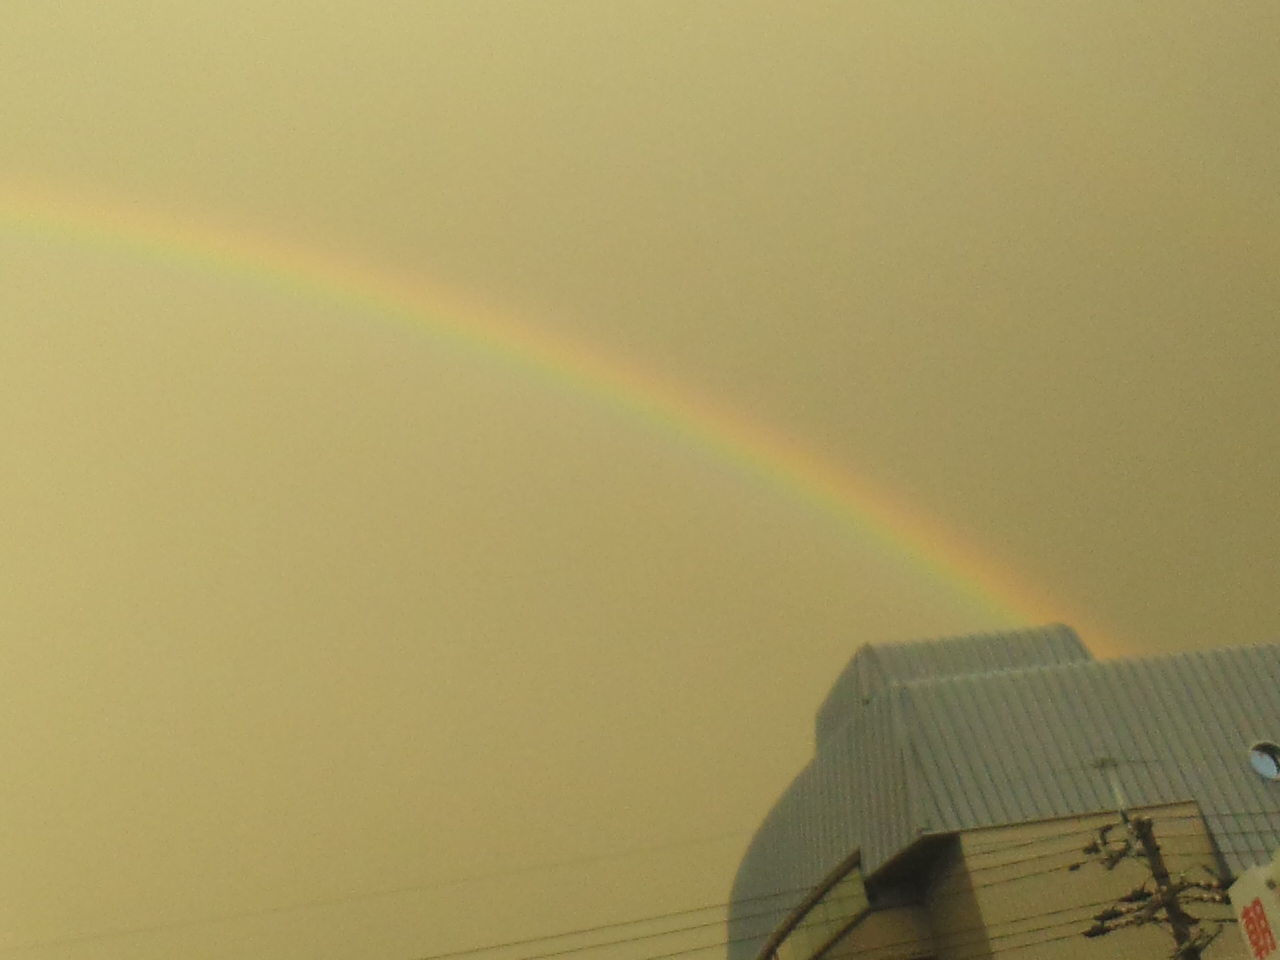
(919, 751)
(1014, 746)
(877, 667)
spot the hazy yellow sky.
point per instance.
(302, 605)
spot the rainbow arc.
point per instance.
(867, 512)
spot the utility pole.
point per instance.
(1166, 893)
(1143, 905)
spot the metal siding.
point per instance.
(934, 761)
(978, 768)
(1246, 837)
(845, 787)
(885, 824)
(876, 667)
(951, 753)
(1208, 752)
(1030, 789)
(871, 679)
(1159, 777)
(1048, 760)
(925, 808)
(1163, 719)
(1176, 734)
(980, 653)
(1235, 779)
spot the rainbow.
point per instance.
(855, 503)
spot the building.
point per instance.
(956, 783)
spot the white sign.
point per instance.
(1255, 897)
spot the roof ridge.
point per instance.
(1127, 663)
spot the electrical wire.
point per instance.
(972, 850)
(987, 929)
(582, 948)
(981, 933)
(1076, 828)
(987, 933)
(977, 851)
(399, 891)
(731, 941)
(1084, 832)
(883, 946)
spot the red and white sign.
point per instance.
(1255, 897)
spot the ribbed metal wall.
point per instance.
(914, 752)
(875, 668)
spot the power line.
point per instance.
(958, 938)
(996, 848)
(1199, 816)
(1031, 873)
(745, 939)
(559, 864)
(321, 902)
(1020, 946)
(985, 932)
(987, 928)
(579, 948)
(883, 946)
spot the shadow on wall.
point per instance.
(951, 903)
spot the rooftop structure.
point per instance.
(931, 740)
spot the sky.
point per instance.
(450, 448)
